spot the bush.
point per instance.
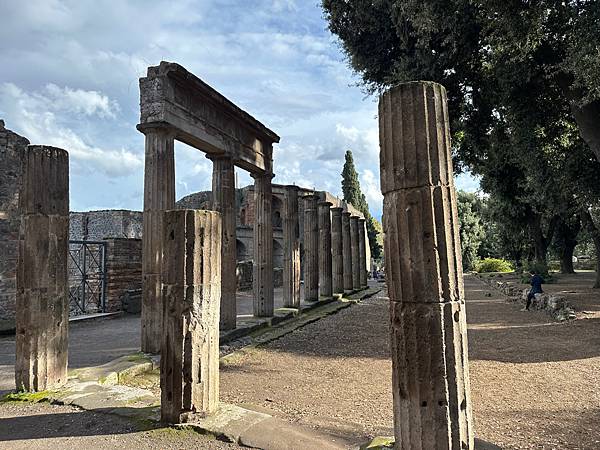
(493, 265)
(540, 268)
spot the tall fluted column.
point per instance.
(42, 303)
(347, 250)
(432, 404)
(337, 251)
(325, 268)
(311, 249)
(291, 249)
(263, 246)
(223, 194)
(354, 239)
(159, 196)
(191, 275)
(362, 253)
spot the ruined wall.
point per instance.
(99, 225)
(11, 147)
(123, 270)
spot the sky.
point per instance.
(69, 75)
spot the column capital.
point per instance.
(219, 157)
(257, 175)
(156, 127)
(337, 210)
(362, 219)
(324, 203)
(346, 213)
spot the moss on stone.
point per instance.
(31, 397)
(379, 443)
(138, 357)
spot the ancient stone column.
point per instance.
(325, 263)
(311, 249)
(347, 250)
(223, 201)
(191, 291)
(263, 246)
(337, 251)
(354, 246)
(432, 404)
(362, 252)
(291, 249)
(159, 196)
(42, 316)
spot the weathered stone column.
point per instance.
(263, 246)
(311, 249)
(291, 249)
(347, 250)
(325, 267)
(362, 253)
(337, 251)
(354, 239)
(191, 291)
(42, 316)
(432, 405)
(159, 196)
(223, 197)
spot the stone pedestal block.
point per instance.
(347, 250)
(159, 196)
(362, 252)
(432, 405)
(291, 249)
(223, 195)
(355, 252)
(325, 262)
(42, 304)
(191, 277)
(263, 247)
(311, 249)
(337, 252)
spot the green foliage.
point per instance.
(493, 265)
(353, 194)
(472, 231)
(538, 268)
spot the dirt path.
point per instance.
(535, 382)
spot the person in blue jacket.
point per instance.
(536, 288)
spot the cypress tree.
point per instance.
(353, 194)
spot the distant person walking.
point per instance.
(536, 288)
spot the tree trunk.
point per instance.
(587, 115)
(566, 258)
(540, 244)
(588, 222)
(567, 233)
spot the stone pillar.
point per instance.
(354, 240)
(191, 292)
(159, 196)
(291, 249)
(337, 251)
(311, 249)
(325, 263)
(223, 198)
(432, 404)
(263, 246)
(362, 252)
(42, 316)
(347, 250)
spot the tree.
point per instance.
(471, 226)
(353, 194)
(477, 49)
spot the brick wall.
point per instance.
(123, 270)
(11, 147)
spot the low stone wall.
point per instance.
(123, 270)
(558, 307)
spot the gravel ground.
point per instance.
(25, 426)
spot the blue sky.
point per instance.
(69, 78)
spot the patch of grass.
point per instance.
(147, 380)
(30, 397)
(137, 357)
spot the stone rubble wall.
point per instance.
(123, 270)
(556, 306)
(100, 225)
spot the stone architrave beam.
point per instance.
(432, 403)
(159, 196)
(42, 304)
(337, 251)
(325, 262)
(189, 363)
(311, 249)
(223, 195)
(291, 249)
